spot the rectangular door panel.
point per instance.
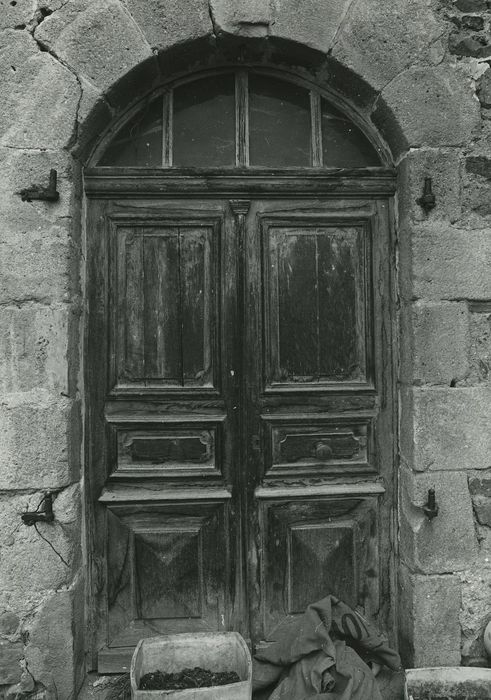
(167, 569)
(315, 302)
(165, 304)
(168, 450)
(317, 547)
(317, 445)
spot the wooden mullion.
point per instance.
(316, 129)
(241, 119)
(167, 128)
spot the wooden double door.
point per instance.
(240, 419)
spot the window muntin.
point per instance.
(240, 119)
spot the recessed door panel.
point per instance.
(166, 569)
(316, 445)
(315, 282)
(313, 548)
(165, 305)
(168, 450)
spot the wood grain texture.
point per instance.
(167, 569)
(317, 548)
(296, 182)
(207, 470)
(317, 307)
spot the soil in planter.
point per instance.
(187, 678)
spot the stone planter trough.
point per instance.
(220, 651)
(448, 683)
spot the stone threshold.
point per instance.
(448, 683)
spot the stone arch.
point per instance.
(83, 61)
(379, 60)
(347, 89)
(399, 112)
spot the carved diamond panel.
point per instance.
(167, 569)
(318, 547)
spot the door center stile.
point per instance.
(240, 209)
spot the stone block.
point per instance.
(35, 441)
(480, 489)
(449, 262)
(475, 46)
(449, 683)
(37, 267)
(251, 19)
(98, 40)
(475, 611)
(476, 203)
(30, 566)
(479, 165)
(166, 22)
(480, 486)
(447, 542)
(9, 622)
(451, 429)
(10, 655)
(379, 41)
(310, 22)
(429, 619)
(480, 344)
(471, 5)
(444, 166)
(484, 89)
(67, 505)
(473, 22)
(16, 13)
(441, 342)
(33, 348)
(482, 509)
(444, 110)
(40, 95)
(49, 653)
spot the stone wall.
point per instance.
(423, 79)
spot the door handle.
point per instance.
(323, 451)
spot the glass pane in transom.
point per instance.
(343, 144)
(204, 122)
(279, 123)
(139, 142)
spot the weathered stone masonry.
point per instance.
(423, 79)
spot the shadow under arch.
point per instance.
(348, 91)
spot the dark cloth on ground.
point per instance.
(313, 657)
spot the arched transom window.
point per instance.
(238, 119)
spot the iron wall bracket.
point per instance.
(48, 194)
(428, 200)
(43, 514)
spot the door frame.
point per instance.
(376, 183)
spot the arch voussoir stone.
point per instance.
(167, 22)
(98, 40)
(431, 107)
(378, 44)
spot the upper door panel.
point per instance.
(316, 294)
(165, 300)
(316, 301)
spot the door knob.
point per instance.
(323, 450)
